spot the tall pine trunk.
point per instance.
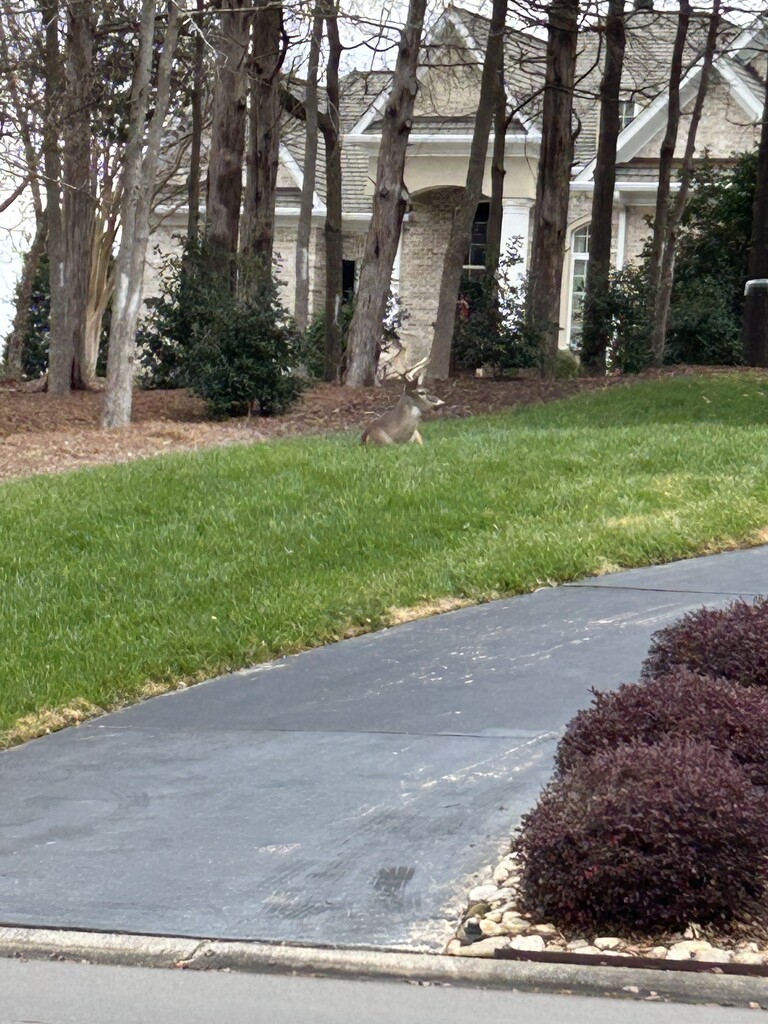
(389, 203)
(309, 173)
(67, 354)
(755, 325)
(141, 159)
(664, 192)
(225, 162)
(195, 147)
(596, 331)
(461, 225)
(498, 173)
(59, 359)
(258, 229)
(553, 181)
(332, 230)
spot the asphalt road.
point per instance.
(64, 993)
(340, 797)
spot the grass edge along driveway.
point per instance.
(120, 581)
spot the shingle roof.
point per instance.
(650, 40)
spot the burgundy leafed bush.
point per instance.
(730, 642)
(645, 838)
(732, 717)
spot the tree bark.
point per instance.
(553, 181)
(14, 352)
(675, 216)
(755, 323)
(498, 172)
(309, 170)
(141, 160)
(195, 147)
(258, 229)
(225, 163)
(332, 229)
(79, 207)
(100, 288)
(461, 226)
(596, 333)
(389, 203)
(59, 357)
(664, 192)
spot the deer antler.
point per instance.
(415, 374)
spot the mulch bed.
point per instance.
(41, 433)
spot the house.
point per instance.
(440, 141)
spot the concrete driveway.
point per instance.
(340, 797)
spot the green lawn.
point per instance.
(187, 565)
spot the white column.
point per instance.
(394, 282)
(621, 239)
(515, 223)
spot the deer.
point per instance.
(400, 424)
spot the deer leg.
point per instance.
(416, 439)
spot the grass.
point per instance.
(117, 578)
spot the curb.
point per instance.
(426, 968)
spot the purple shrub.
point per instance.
(730, 642)
(646, 837)
(731, 717)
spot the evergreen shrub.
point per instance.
(490, 329)
(730, 642)
(733, 718)
(645, 838)
(220, 328)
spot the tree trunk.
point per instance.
(258, 229)
(596, 332)
(198, 88)
(59, 357)
(141, 160)
(225, 163)
(304, 227)
(389, 203)
(100, 288)
(755, 324)
(13, 364)
(663, 194)
(79, 206)
(553, 181)
(332, 236)
(498, 172)
(666, 282)
(461, 226)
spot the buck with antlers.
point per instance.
(400, 425)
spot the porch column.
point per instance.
(394, 283)
(515, 223)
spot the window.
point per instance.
(627, 113)
(474, 260)
(579, 263)
(348, 269)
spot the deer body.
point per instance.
(400, 425)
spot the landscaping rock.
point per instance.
(607, 942)
(748, 956)
(482, 893)
(531, 943)
(547, 930)
(713, 956)
(576, 945)
(484, 948)
(490, 928)
(687, 949)
(514, 925)
(659, 952)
